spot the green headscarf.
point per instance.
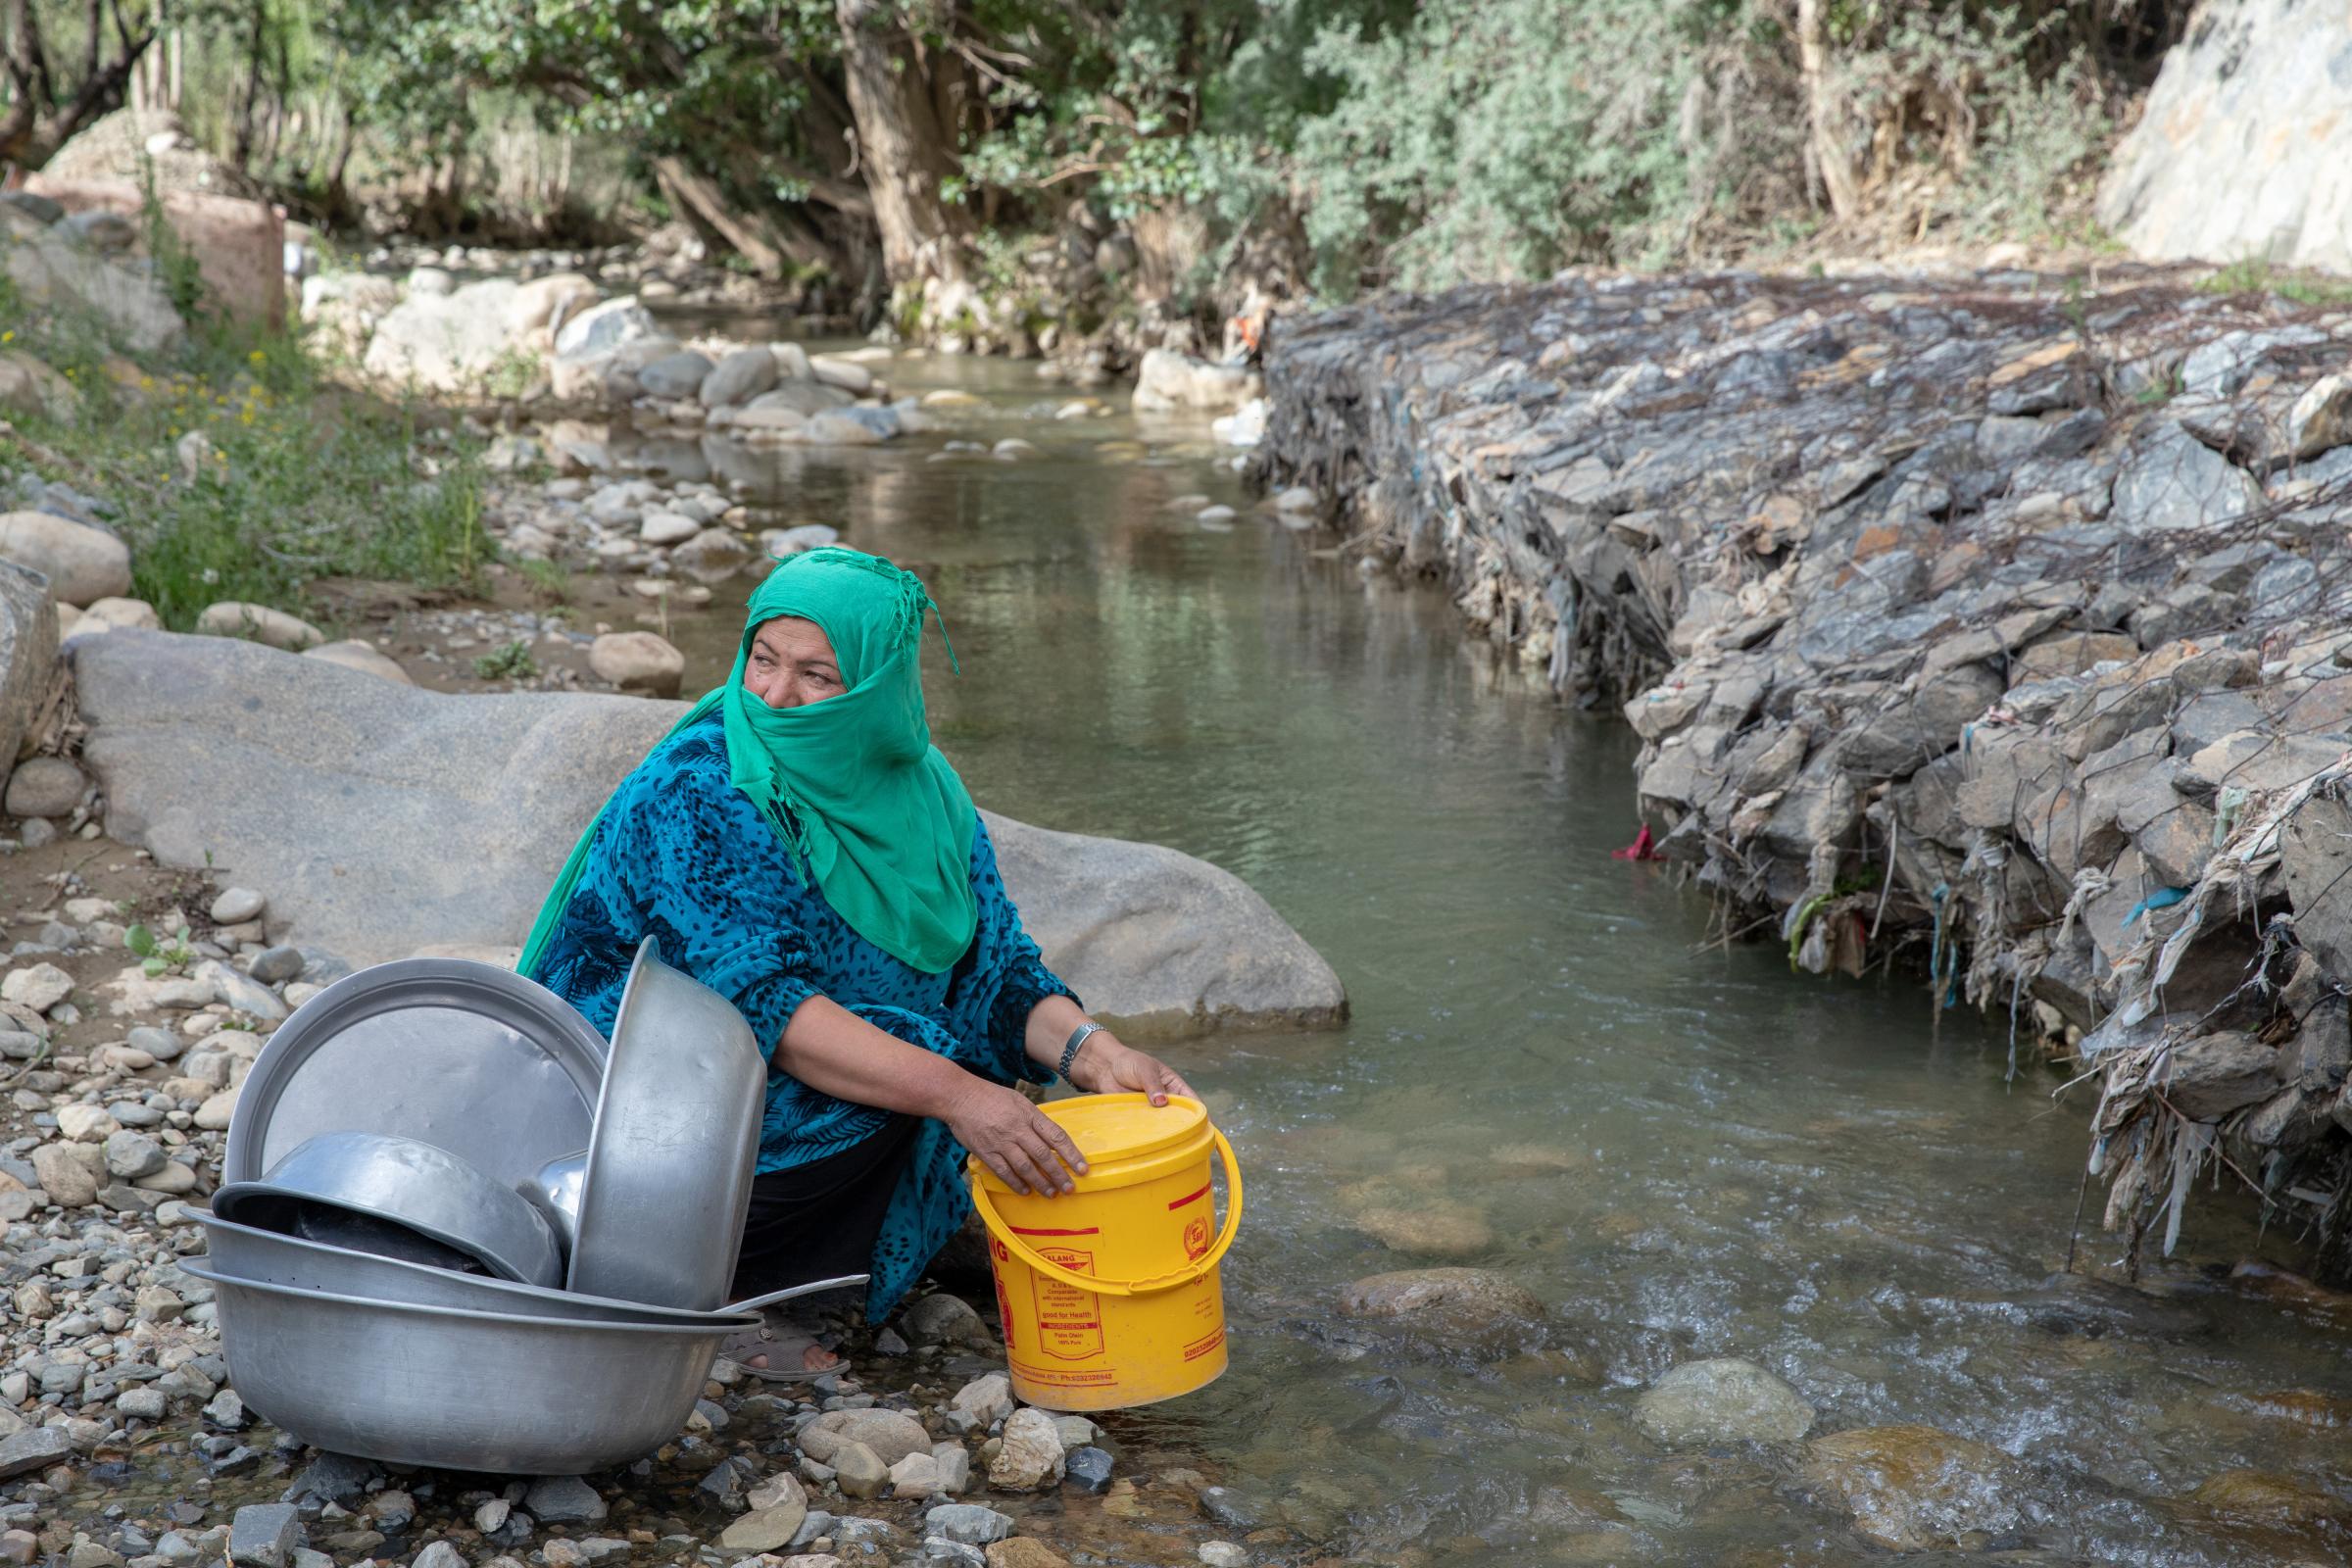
(876, 817)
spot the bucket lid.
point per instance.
(1114, 1127)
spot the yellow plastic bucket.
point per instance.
(1109, 1294)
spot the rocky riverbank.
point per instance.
(1990, 623)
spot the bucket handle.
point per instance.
(999, 1228)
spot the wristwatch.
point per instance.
(1070, 1053)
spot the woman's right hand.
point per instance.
(1022, 1145)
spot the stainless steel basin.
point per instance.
(670, 1159)
(406, 1184)
(489, 1392)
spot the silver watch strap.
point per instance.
(1078, 1036)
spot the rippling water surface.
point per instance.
(1681, 1152)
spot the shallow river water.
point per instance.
(1683, 1151)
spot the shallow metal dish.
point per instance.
(408, 1184)
(467, 1057)
(266, 1258)
(676, 1136)
(487, 1391)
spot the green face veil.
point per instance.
(876, 817)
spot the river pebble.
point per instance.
(1723, 1400)
(236, 903)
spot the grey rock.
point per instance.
(1722, 1401)
(132, 1154)
(235, 904)
(739, 378)
(276, 965)
(2173, 483)
(264, 1535)
(28, 651)
(439, 1555)
(33, 1448)
(1087, 1469)
(563, 1500)
(890, 1435)
(339, 774)
(968, 1523)
(944, 1318)
(2247, 79)
(804, 398)
(674, 376)
(43, 786)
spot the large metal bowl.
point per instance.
(408, 1184)
(487, 1391)
(670, 1161)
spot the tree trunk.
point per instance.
(902, 150)
(35, 127)
(1825, 145)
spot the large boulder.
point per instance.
(383, 818)
(2243, 148)
(82, 563)
(1167, 380)
(443, 342)
(52, 273)
(28, 653)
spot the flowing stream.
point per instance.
(1684, 1151)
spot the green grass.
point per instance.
(305, 480)
(506, 661)
(2256, 276)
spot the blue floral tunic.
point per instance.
(682, 856)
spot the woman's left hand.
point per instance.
(1105, 1066)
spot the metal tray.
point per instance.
(670, 1159)
(467, 1057)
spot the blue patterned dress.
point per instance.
(680, 855)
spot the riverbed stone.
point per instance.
(563, 1500)
(43, 786)
(442, 341)
(82, 563)
(67, 1182)
(36, 986)
(132, 1154)
(890, 1435)
(260, 624)
(968, 1523)
(1723, 1400)
(637, 661)
(858, 1470)
(765, 1529)
(674, 376)
(1167, 381)
(1914, 1488)
(1024, 1551)
(739, 378)
(663, 526)
(353, 654)
(266, 1533)
(1030, 1456)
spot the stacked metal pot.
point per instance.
(459, 1228)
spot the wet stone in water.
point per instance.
(1087, 1469)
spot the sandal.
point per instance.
(784, 1345)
